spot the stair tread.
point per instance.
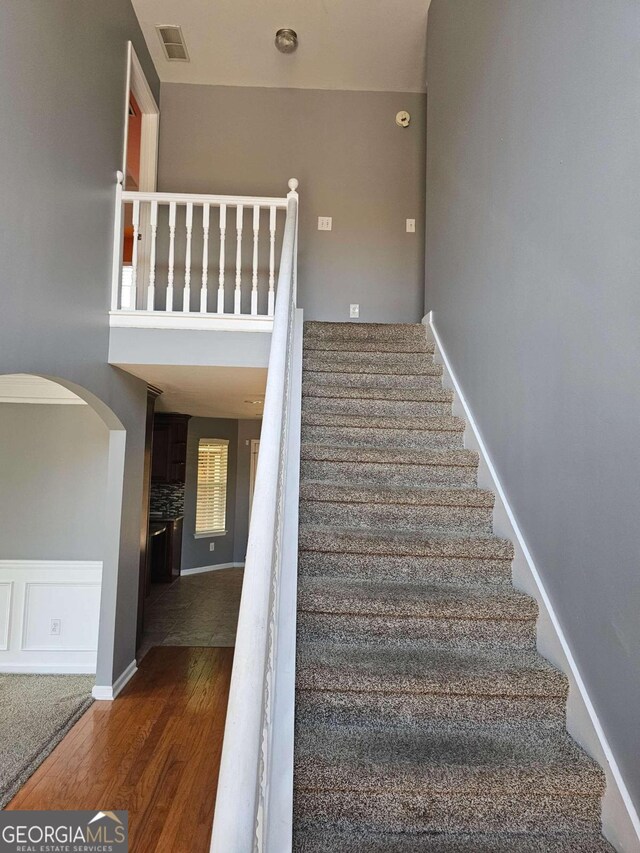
(385, 330)
(409, 712)
(336, 344)
(439, 423)
(443, 570)
(389, 456)
(445, 671)
(337, 492)
(395, 363)
(446, 756)
(361, 392)
(350, 596)
(320, 841)
(399, 543)
(391, 381)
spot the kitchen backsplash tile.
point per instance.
(167, 499)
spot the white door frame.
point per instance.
(138, 84)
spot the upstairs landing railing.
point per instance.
(206, 256)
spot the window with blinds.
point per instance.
(211, 496)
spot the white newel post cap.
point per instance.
(293, 184)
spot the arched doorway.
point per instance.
(61, 486)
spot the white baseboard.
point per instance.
(200, 570)
(110, 693)
(620, 822)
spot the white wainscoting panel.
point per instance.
(49, 613)
(6, 593)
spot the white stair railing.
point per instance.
(255, 788)
(174, 239)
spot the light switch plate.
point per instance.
(354, 311)
(212, 546)
(411, 226)
(325, 223)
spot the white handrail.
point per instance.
(242, 800)
(200, 198)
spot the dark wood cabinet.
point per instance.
(169, 462)
(166, 546)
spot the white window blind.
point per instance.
(211, 500)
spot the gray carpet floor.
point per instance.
(36, 711)
(195, 610)
(425, 718)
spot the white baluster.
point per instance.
(205, 257)
(254, 280)
(186, 296)
(272, 260)
(237, 296)
(116, 269)
(151, 292)
(134, 255)
(172, 239)
(223, 230)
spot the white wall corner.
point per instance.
(620, 822)
(108, 693)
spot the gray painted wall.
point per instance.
(232, 547)
(353, 164)
(62, 90)
(247, 430)
(533, 200)
(52, 482)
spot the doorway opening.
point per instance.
(61, 476)
(139, 164)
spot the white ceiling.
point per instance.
(370, 45)
(26, 388)
(206, 392)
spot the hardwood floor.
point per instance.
(154, 751)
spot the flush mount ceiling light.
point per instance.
(286, 40)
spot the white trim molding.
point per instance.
(191, 321)
(137, 84)
(108, 694)
(620, 822)
(35, 597)
(201, 570)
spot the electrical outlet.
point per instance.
(212, 546)
(354, 311)
(325, 223)
(411, 226)
(56, 627)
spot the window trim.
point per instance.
(210, 534)
(222, 442)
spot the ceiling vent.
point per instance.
(173, 43)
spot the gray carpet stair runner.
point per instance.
(425, 718)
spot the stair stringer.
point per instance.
(620, 821)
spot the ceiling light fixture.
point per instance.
(286, 40)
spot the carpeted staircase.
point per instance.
(425, 718)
